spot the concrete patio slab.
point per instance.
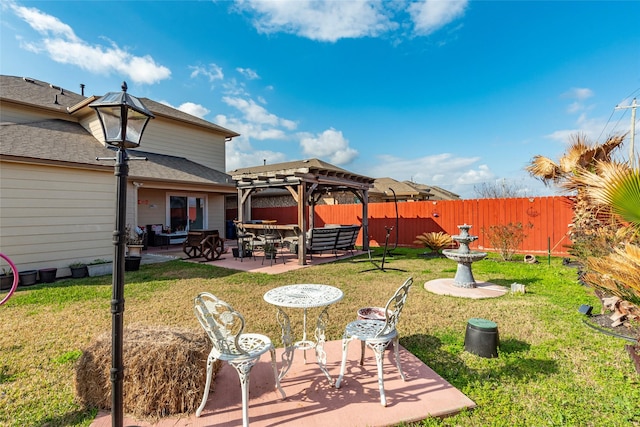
(482, 289)
(312, 401)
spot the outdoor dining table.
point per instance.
(304, 296)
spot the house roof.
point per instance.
(29, 91)
(438, 193)
(402, 190)
(63, 142)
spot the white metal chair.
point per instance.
(224, 327)
(377, 335)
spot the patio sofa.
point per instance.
(332, 238)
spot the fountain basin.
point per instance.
(464, 276)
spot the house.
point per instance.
(57, 185)
(389, 190)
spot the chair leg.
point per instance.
(362, 348)
(210, 361)
(244, 368)
(272, 350)
(343, 365)
(378, 349)
(396, 344)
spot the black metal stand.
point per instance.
(384, 255)
(117, 299)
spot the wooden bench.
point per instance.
(332, 238)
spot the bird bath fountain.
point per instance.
(464, 257)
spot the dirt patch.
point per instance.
(603, 322)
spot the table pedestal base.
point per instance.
(304, 344)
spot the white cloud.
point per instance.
(62, 45)
(213, 72)
(257, 114)
(330, 20)
(430, 15)
(189, 108)
(330, 144)
(579, 93)
(320, 20)
(248, 73)
(194, 109)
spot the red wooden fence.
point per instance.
(546, 220)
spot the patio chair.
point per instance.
(272, 242)
(377, 335)
(224, 327)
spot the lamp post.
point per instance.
(123, 119)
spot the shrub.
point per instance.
(505, 238)
(434, 241)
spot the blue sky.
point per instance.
(446, 93)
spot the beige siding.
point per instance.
(196, 145)
(151, 206)
(216, 212)
(52, 216)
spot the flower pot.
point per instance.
(132, 263)
(6, 282)
(134, 250)
(100, 269)
(48, 275)
(28, 277)
(79, 272)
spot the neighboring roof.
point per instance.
(26, 90)
(310, 170)
(403, 190)
(437, 193)
(59, 141)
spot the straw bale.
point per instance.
(165, 371)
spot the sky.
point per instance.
(452, 93)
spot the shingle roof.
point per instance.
(31, 91)
(70, 143)
(402, 189)
(315, 166)
(35, 92)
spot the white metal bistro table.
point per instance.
(303, 296)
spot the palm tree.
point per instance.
(615, 188)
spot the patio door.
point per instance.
(186, 212)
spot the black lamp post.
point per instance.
(123, 119)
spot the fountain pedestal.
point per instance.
(464, 257)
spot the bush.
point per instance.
(434, 241)
(505, 238)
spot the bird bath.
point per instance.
(464, 257)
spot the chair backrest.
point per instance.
(221, 322)
(394, 307)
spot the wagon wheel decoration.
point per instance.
(192, 251)
(212, 247)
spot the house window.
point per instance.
(186, 212)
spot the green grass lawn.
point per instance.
(552, 370)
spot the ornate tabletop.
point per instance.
(303, 296)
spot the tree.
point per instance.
(499, 190)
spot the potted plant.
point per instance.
(270, 250)
(132, 263)
(28, 277)
(48, 275)
(135, 241)
(100, 267)
(6, 279)
(78, 269)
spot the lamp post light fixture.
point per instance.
(123, 119)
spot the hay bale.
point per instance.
(165, 371)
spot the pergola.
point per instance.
(307, 181)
